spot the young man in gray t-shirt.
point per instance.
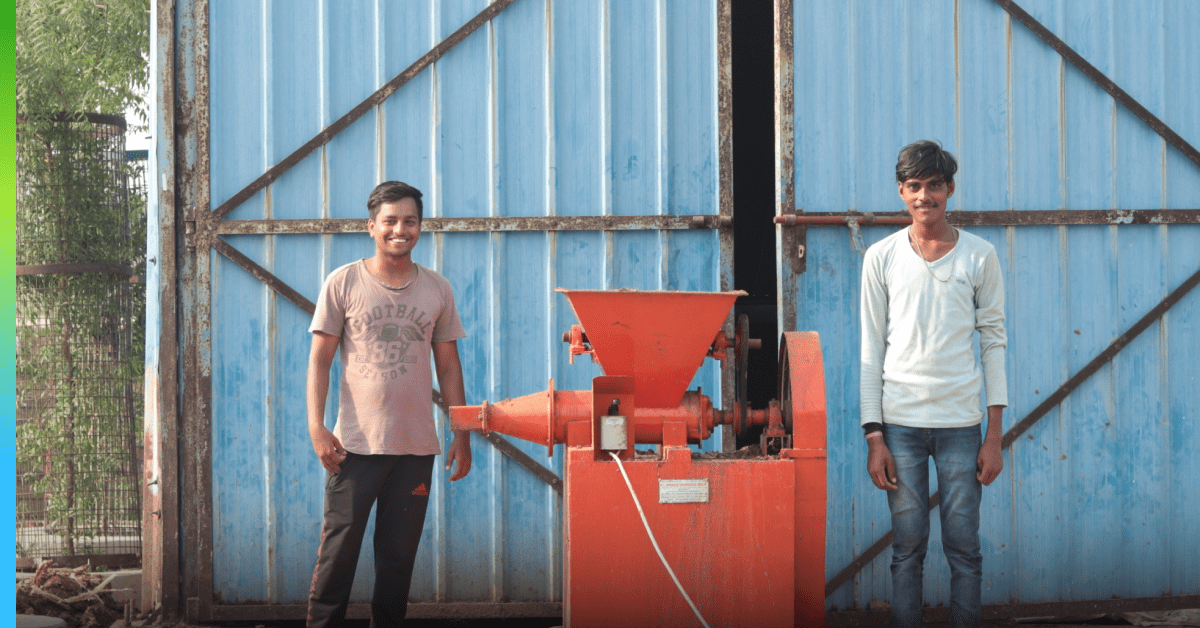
(389, 316)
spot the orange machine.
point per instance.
(743, 535)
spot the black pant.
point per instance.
(401, 486)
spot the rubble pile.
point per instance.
(80, 598)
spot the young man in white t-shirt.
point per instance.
(388, 315)
(926, 290)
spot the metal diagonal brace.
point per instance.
(1033, 417)
(289, 293)
(264, 275)
(1103, 81)
(372, 101)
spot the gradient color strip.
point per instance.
(8, 346)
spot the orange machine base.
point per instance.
(752, 555)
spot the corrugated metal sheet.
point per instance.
(551, 109)
(1099, 500)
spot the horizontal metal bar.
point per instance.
(63, 269)
(418, 610)
(1005, 217)
(1100, 79)
(111, 561)
(1033, 417)
(109, 119)
(512, 223)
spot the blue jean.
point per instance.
(954, 452)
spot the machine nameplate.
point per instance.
(683, 491)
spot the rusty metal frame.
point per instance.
(725, 183)
(160, 517)
(1002, 217)
(789, 242)
(484, 223)
(1015, 432)
(195, 272)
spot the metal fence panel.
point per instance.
(1091, 504)
(80, 228)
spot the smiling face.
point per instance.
(925, 199)
(395, 228)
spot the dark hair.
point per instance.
(924, 159)
(390, 192)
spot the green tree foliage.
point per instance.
(81, 55)
(80, 338)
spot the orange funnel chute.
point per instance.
(657, 338)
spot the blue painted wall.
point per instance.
(554, 108)
(1099, 499)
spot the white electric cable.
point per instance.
(654, 542)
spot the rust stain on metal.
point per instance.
(725, 110)
(372, 101)
(792, 241)
(160, 559)
(785, 179)
(725, 237)
(191, 98)
(152, 495)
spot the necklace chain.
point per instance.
(929, 266)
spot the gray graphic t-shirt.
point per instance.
(386, 342)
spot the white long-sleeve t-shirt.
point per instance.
(918, 365)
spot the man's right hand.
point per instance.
(880, 464)
(329, 449)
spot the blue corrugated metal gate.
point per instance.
(1098, 499)
(586, 145)
(573, 144)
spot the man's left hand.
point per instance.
(990, 462)
(459, 452)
